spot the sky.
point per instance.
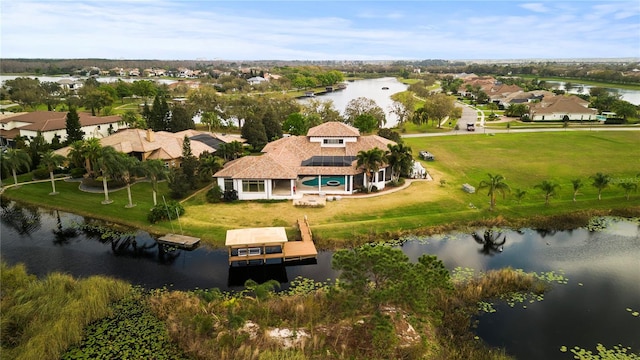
(319, 30)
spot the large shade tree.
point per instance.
(370, 161)
(51, 161)
(361, 106)
(495, 184)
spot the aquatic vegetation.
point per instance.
(618, 352)
(633, 313)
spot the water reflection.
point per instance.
(23, 219)
(490, 241)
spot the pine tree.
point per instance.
(74, 129)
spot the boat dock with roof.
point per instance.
(266, 244)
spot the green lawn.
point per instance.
(523, 159)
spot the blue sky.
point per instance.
(319, 30)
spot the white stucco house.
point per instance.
(561, 108)
(322, 162)
(54, 123)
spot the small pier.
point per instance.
(181, 241)
(260, 245)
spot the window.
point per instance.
(253, 186)
(249, 252)
(228, 184)
(333, 141)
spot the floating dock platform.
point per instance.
(181, 241)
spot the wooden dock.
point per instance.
(181, 241)
(257, 245)
(303, 249)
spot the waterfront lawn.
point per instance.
(524, 160)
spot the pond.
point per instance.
(595, 306)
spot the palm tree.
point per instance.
(628, 186)
(154, 170)
(370, 161)
(600, 182)
(52, 160)
(494, 184)
(399, 158)
(90, 151)
(16, 159)
(128, 167)
(107, 162)
(207, 166)
(549, 188)
(577, 184)
(519, 194)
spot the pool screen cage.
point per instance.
(343, 161)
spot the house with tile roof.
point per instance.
(149, 144)
(54, 123)
(322, 162)
(561, 108)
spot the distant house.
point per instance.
(562, 108)
(256, 80)
(54, 124)
(322, 162)
(70, 84)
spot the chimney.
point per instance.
(150, 136)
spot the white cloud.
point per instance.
(535, 7)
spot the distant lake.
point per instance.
(368, 88)
(602, 268)
(632, 96)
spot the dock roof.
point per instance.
(256, 236)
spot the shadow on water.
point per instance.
(490, 241)
(25, 220)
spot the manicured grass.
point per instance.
(523, 159)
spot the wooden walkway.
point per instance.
(301, 250)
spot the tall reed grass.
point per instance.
(41, 318)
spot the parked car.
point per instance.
(471, 127)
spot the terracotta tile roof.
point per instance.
(54, 120)
(561, 104)
(333, 129)
(283, 157)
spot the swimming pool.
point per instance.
(326, 181)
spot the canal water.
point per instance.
(595, 306)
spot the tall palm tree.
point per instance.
(494, 184)
(577, 185)
(107, 162)
(207, 166)
(399, 158)
(370, 161)
(154, 170)
(90, 151)
(16, 159)
(75, 154)
(52, 160)
(600, 181)
(549, 188)
(126, 171)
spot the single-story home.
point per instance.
(322, 162)
(561, 108)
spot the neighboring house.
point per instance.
(70, 84)
(147, 144)
(322, 162)
(54, 123)
(561, 108)
(256, 80)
